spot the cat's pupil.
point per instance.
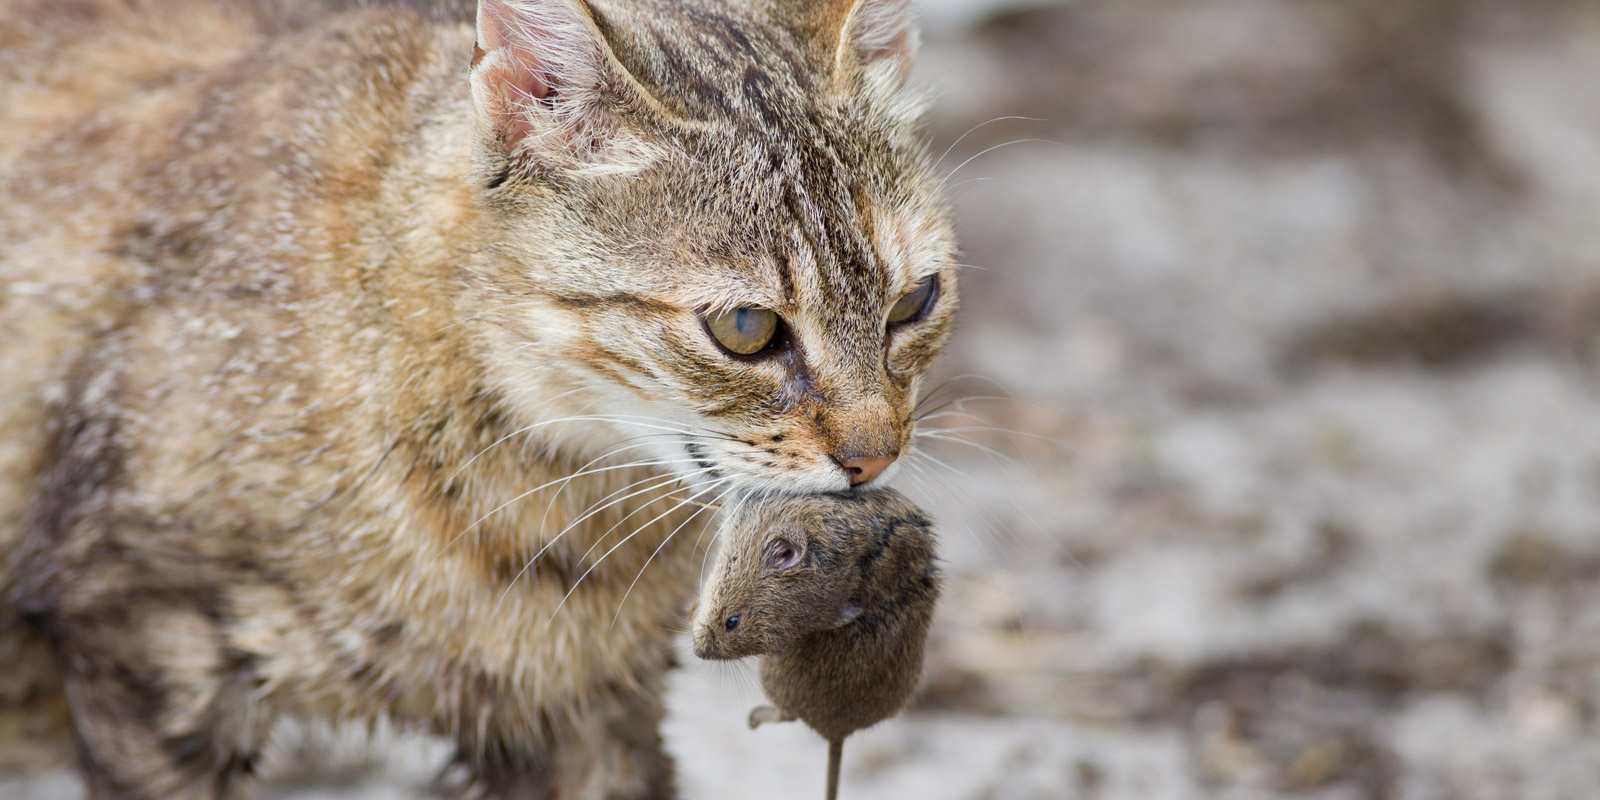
(745, 322)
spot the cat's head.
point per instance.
(717, 219)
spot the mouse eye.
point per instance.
(733, 622)
(782, 555)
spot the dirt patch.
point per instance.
(1451, 331)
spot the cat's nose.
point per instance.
(866, 468)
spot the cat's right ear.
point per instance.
(544, 80)
(871, 39)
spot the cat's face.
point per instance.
(753, 254)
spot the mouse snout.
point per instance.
(708, 639)
(703, 646)
(722, 635)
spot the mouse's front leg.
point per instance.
(761, 714)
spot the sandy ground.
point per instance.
(1297, 305)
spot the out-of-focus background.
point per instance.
(1297, 305)
(1301, 299)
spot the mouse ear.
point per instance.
(846, 616)
(783, 554)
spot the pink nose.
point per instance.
(865, 469)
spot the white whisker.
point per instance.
(988, 150)
(603, 504)
(974, 129)
(557, 496)
(624, 541)
(985, 429)
(589, 513)
(652, 558)
(548, 484)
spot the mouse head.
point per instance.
(784, 573)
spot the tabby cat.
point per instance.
(361, 366)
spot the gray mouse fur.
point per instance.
(835, 592)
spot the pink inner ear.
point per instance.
(520, 73)
(784, 555)
(879, 30)
(511, 81)
(891, 48)
(529, 79)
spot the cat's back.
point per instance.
(153, 157)
(79, 115)
(152, 154)
(117, 113)
(91, 91)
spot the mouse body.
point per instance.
(835, 593)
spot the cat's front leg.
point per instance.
(606, 747)
(157, 703)
(496, 771)
(631, 762)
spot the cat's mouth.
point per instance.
(717, 473)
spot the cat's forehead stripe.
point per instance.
(714, 64)
(800, 154)
(821, 206)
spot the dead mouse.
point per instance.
(835, 592)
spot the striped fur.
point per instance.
(295, 309)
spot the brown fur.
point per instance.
(296, 308)
(835, 593)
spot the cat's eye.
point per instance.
(913, 305)
(743, 331)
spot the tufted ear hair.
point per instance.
(545, 80)
(879, 33)
(875, 39)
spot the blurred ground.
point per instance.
(1307, 295)
(1308, 292)
(1303, 298)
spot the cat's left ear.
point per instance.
(544, 79)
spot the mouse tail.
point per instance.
(835, 752)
